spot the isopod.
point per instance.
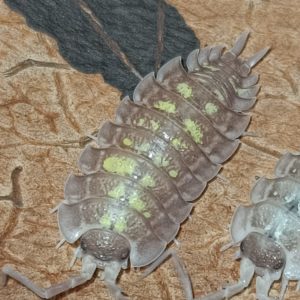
(268, 233)
(139, 182)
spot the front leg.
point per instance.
(264, 283)
(111, 273)
(88, 269)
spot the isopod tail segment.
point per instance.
(137, 187)
(238, 87)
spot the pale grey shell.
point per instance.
(275, 212)
(162, 150)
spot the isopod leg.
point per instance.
(284, 284)
(88, 269)
(183, 275)
(54, 209)
(111, 273)
(263, 285)
(247, 270)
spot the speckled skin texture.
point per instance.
(45, 112)
(263, 251)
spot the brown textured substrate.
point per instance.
(44, 113)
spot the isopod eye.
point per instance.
(105, 245)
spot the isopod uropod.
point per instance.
(151, 163)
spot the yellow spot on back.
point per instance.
(105, 221)
(167, 106)
(136, 203)
(120, 225)
(210, 108)
(154, 125)
(161, 161)
(141, 122)
(194, 130)
(127, 142)
(184, 90)
(120, 165)
(147, 214)
(147, 181)
(118, 192)
(179, 144)
(173, 173)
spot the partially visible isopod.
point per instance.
(268, 232)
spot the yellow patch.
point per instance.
(194, 130)
(118, 192)
(141, 122)
(179, 144)
(184, 90)
(173, 173)
(210, 108)
(120, 225)
(136, 203)
(120, 165)
(161, 161)
(127, 142)
(167, 106)
(154, 125)
(147, 181)
(147, 215)
(105, 221)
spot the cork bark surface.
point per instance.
(45, 114)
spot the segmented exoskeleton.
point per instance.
(268, 232)
(152, 162)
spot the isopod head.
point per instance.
(263, 251)
(105, 246)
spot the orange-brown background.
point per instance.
(44, 112)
